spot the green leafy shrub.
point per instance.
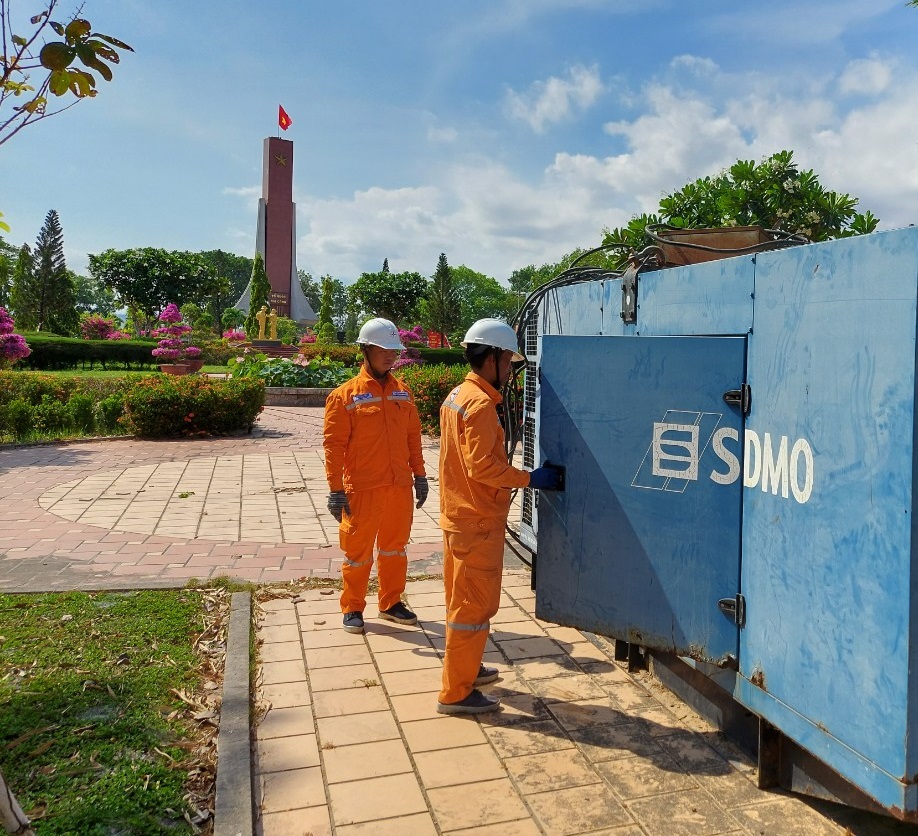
(318, 373)
(51, 415)
(430, 386)
(169, 406)
(349, 355)
(81, 413)
(108, 413)
(18, 419)
(216, 352)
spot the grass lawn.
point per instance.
(108, 703)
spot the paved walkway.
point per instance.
(348, 741)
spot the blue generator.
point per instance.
(739, 442)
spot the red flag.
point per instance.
(282, 118)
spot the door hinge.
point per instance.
(741, 397)
(734, 608)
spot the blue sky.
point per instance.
(501, 132)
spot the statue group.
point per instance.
(269, 318)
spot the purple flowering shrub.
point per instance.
(235, 335)
(95, 327)
(416, 336)
(172, 346)
(12, 346)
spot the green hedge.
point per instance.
(430, 386)
(36, 406)
(50, 351)
(43, 406)
(168, 406)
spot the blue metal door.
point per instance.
(645, 540)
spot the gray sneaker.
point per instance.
(353, 622)
(486, 676)
(474, 703)
(400, 614)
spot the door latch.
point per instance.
(741, 397)
(734, 608)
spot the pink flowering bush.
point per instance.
(95, 327)
(172, 347)
(307, 339)
(235, 335)
(410, 357)
(12, 346)
(416, 336)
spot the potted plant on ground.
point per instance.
(180, 358)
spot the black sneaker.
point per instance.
(353, 622)
(486, 676)
(474, 703)
(399, 613)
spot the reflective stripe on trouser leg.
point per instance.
(377, 517)
(394, 530)
(476, 561)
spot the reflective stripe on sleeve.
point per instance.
(455, 407)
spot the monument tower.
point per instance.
(275, 235)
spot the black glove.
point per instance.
(337, 502)
(421, 489)
(544, 478)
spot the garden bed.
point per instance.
(295, 396)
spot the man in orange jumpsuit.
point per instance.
(372, 444)
(475, 487)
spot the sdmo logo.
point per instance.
(679, 449)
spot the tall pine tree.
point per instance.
(44, 297)
(24, 292)
(442, 309)
(259, 290)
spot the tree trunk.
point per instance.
(11, 816)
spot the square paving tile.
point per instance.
(333, 657)
(350, 676)
(429, 735)
(426, 680)
(365, 760)
(568, 688)
(515, 708)
(579, 810)
(374, 799)
(551, 771)
(275, 672)
(448, 767)
(408, 660)
(683, 814)
(476, 804)
(521, 827)
(611, 742)
(787, 816)
(330, 638)
(292, 789)
(286, 694)
(409, 707)
(312, 820)
(575, 715)
(420, 824)
(527, 738)
(280, 652)
(284, 753)
(357, 728)
(286, 722)
(349, 701)
(643, 776)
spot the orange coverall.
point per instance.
(372, 441)
(475, 488)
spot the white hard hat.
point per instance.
(380, 332)
(494, 332)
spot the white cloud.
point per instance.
(445, 134)
(490, 217)
(554, 100)
(869, 76)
